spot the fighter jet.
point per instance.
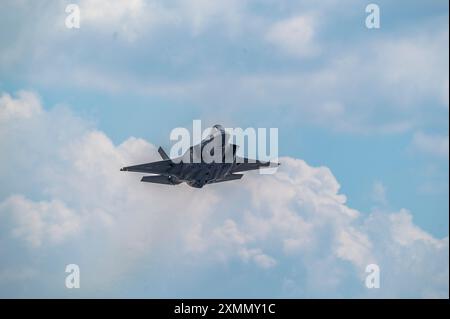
(197, 166)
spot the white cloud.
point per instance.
(433, 144)
(354, 246)
(26, 105)
(40, 222)
(412, 260)
(405, 232)
(258, 257)
(296, 218)
(295, 36)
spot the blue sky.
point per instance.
(369, 106)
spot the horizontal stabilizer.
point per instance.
(230, 177)
(160, 179)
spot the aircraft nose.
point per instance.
(123, 169)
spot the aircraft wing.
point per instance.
(245, 164)
(159, 167)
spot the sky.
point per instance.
(362, 116)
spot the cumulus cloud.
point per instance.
(25, 105)
(294, 226)
(40, 222)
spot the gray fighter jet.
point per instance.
(197, 166)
